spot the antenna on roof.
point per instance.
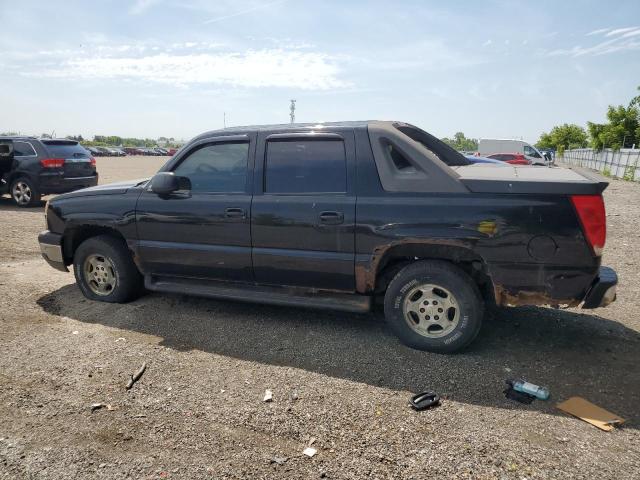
(293, 111)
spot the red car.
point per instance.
(512, 158)
(171, 151)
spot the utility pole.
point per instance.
(224, 119)
(293, 111)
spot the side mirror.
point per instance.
(166, 183)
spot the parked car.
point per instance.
(512, 158)
(171, 151)
(94, 151)
(32, 167)
(119, 152)
(133, 150)
(335, 215)
(489, 146)
(483, 160)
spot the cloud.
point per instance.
(597, 32)
(617, 44)
(140, 6)
(250, 69)
(618, 31)
(243, 12)
(487, 43)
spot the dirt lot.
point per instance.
(340, 378)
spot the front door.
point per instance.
(303, 213)
(204, 232)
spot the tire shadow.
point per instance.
(571, 353)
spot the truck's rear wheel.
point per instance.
(434, 305)
(105, 271)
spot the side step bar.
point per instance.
(298, 297)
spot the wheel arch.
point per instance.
(74, 236)
(396, 257)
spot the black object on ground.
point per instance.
(521, 397)
(424, 400)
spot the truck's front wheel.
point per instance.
(105, 271)
(434, 305)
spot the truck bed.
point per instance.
(524, 180)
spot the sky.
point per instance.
(176, 68)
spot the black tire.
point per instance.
(458, 295)
(117, 264)
(24, 192)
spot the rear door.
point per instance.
(77, 159)
(303, 210)
(204, 232)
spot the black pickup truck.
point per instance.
(338, 215)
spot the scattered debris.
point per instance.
(279, 460)
(590, 413)
(136, 376)
(309, 451)
(522, 386)
(268, 396)
(75, 332)
(98, 406)
(424, 400)
(521, 397)
(294, 396)
(121, 339)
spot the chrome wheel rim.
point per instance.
(100, 275)
(21, 192)
(431, 311)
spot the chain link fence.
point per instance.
(620, 164)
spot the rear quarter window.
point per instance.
(23, 149)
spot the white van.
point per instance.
(489, 146)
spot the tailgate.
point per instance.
(77, 160)
(543, 180)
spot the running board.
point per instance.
(293, 296)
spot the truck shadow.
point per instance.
(571, 353)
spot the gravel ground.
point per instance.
(339, 378)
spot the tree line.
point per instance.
(114, 140)
(622, 130)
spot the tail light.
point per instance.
(93, 162)
(590, 209)
(52, 162)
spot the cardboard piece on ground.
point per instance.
(590, 413)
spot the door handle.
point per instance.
(235, 213)
(331, 218)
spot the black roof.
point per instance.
(287, 127)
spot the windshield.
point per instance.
(440, 149)
(531, 152)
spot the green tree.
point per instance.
(622, 130)
(562, 137)
(460, 142)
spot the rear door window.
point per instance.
(61, 149)
(305, 166)
(23, 149)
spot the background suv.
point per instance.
(32, 167)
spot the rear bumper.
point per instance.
(51, 249)
(58, 183)
(603, 289)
